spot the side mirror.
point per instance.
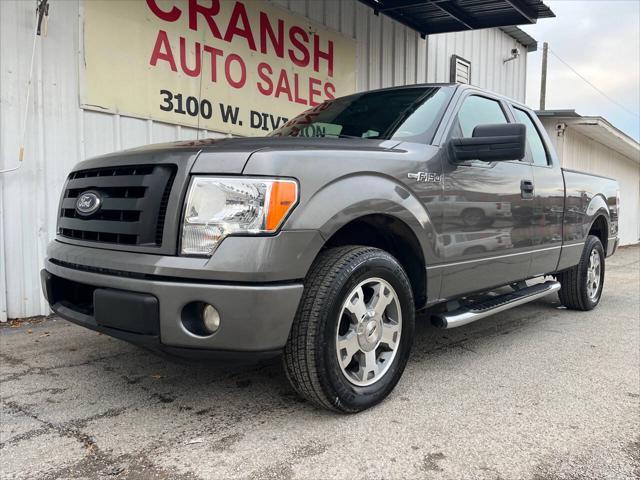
(491, 143)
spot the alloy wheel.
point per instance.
(368, 334)
(593, 275)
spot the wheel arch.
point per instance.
(600, 228)
(392, 235)
(598, 219)
(381, 206)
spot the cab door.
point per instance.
(489, 208)
(549, 196)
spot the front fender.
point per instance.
(356, 195)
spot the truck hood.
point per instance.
(226, 155)
(231, 155)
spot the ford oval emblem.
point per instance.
(88, 203)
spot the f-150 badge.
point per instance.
(426, 177)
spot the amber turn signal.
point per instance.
(283, 196)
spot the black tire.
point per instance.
(573, 292)
(310, 355)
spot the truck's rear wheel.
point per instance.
(353, 331)
(581, 285)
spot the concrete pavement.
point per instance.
(537, 392)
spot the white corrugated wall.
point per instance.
(579, 152)
(60, 134)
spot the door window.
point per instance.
(476, 111)
(536, 145)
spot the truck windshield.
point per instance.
(409, 114)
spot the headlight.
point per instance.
(218, 207)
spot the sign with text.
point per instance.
(243, 67)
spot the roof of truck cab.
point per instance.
(456, 86)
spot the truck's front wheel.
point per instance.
(353, 331)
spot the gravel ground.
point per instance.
(536, 393)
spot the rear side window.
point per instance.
(536, 145)
(477, 111)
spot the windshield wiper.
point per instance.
(342, 135)
(332, 135)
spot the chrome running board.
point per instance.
(471, 313)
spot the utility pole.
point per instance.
(543, 80)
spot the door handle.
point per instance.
(526, 188)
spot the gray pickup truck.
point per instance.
(321, 241)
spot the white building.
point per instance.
(593, 145)
(88, 41)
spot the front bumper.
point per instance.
(255, 318)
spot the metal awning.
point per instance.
(522, 37)
(441, 16)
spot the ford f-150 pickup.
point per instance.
(321, 241)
